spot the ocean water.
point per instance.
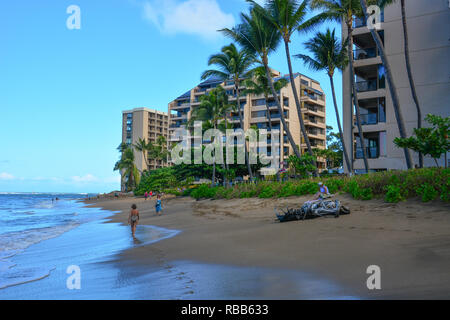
(41, 237)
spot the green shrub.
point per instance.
(427, 192)
(204, 191)
(268, 192)
(393, 194)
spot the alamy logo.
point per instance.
(74, 20)
(374, 17)
(374, 280)
(74, 280)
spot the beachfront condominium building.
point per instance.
(428, 23)
(255, 112)
(147, 124)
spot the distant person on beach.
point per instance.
(151, 194)
(323, 192)
(133, 219)
(158, 204)
(145, 195)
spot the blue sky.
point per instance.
(62, 91)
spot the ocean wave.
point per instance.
(17, 276)
(15, 242)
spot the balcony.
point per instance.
(367, 85)
(367, 53)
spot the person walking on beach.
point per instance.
(133, 219)
(158, 205)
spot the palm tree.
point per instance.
(328, 55)
(232, 64)
(343, 11)
(287, 16)
(391, 85)
(159, 150)
(412, 85)
(211, 110)
(259, 37)
(127, 167)
(142, 146)
(260, 85)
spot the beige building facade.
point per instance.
(428, 24)
(255, 112)
(147, 124)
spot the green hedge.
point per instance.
(393, 186)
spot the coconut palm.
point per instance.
(258, 36)
(288, 16)
(128, 170)
(158, 151)
(259, 84)
(234, 65)
(328, 55)
(343, 11)
(211, 110)
(142, 146)
(391, 85)
(412, 85)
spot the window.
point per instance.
(382, 110)
(381, 77)
(129, 116)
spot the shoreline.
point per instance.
(410, 241)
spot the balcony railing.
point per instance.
(368, 118)
(361, 54)
(369, 85)
(372, 153)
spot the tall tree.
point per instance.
(211, 110)
(391, 85)
(259, 84)
(288, 16)
(343, 11)
(142, 146)
(232, 64)
(128, 170)
(328, 55)
(258, 36)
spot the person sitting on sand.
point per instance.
(158, 205)
(322, 193)
(133, 219)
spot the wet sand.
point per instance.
(238, 248)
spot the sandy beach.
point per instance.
(409, 241)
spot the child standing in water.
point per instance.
(133, 219)
(158, 205)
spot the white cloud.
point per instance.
(86, 178)
(196, 17)
(6, 176)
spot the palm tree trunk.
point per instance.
(280, 110)
(266, 98)
(213, 179)
(339, 125)
(241, 122)
(226, 164)
(354, 94)
(297, 103)
(392, 89)
(410, 77)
